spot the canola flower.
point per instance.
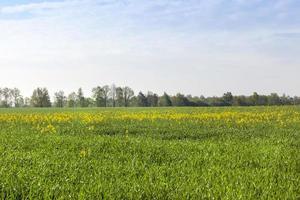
(88, 122)
(85, 153)
(48, 129)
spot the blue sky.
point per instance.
(190, 46)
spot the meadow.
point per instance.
(150, 153)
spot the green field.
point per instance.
(153, 153)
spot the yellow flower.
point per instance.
(83, 153)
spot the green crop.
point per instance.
(157, 153)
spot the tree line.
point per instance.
(114, 96)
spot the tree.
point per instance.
(215, 101)
(46, 98)
(99, 97)
(228, 99)
(113, 94)
(89, 102)
(106, 91)
(119, 97)
(241, 101)
(40, 98)
(165, 100)
(17, 97)
(37, 98)
(7, 98)
(128, 93)
(296, 100)
(133, 102)
(27, 102)
(142, 100)
(274, 99)
(80, 98)
(255, 99)
(180, 100)
(152, 99)
(197, 101)
(1, 96)
(124, 96)
(72, 99)
(60, 99)
(286, 100)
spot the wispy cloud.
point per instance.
(288, 35)
(32, 7)
(199, 41)
(53, 5)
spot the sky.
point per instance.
(198, 47)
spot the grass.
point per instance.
(126, 156)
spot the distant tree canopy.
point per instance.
(165, 100)
(60, 100)
(40, 98)
(11, 98)
(115, 96)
